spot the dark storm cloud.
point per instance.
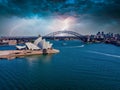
(27, 8)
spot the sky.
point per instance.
(34, 17)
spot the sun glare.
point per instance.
(67, 23)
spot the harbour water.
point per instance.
(78, 66)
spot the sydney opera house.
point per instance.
(39, 44)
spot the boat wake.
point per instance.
(105, 54)
(75, 46)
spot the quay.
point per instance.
(8, 54)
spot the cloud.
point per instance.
(85, 24)
(28, 8)
(30, 17)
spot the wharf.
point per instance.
(8, 54)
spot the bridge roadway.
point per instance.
(51, 36)
(44, 37)
(75, 35)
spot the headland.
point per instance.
(8, 54)
(38, 47)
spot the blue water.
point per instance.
(78, 66)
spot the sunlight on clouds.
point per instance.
(62, 23)
(35, 26)
(45, 25)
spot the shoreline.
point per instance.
(8, 54)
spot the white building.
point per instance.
(42, 43)
(37, 45)
(32, 46)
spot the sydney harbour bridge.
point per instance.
(74, 35)
(69, 35)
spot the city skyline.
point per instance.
(30, 18)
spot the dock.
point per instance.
(10, 54)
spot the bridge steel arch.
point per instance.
(81, 37)
(68, 32)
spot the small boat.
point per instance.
(82, 45)
(64, 44)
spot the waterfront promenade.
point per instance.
(18, 53)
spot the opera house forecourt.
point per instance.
(40, 46)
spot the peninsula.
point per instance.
(39, 47)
